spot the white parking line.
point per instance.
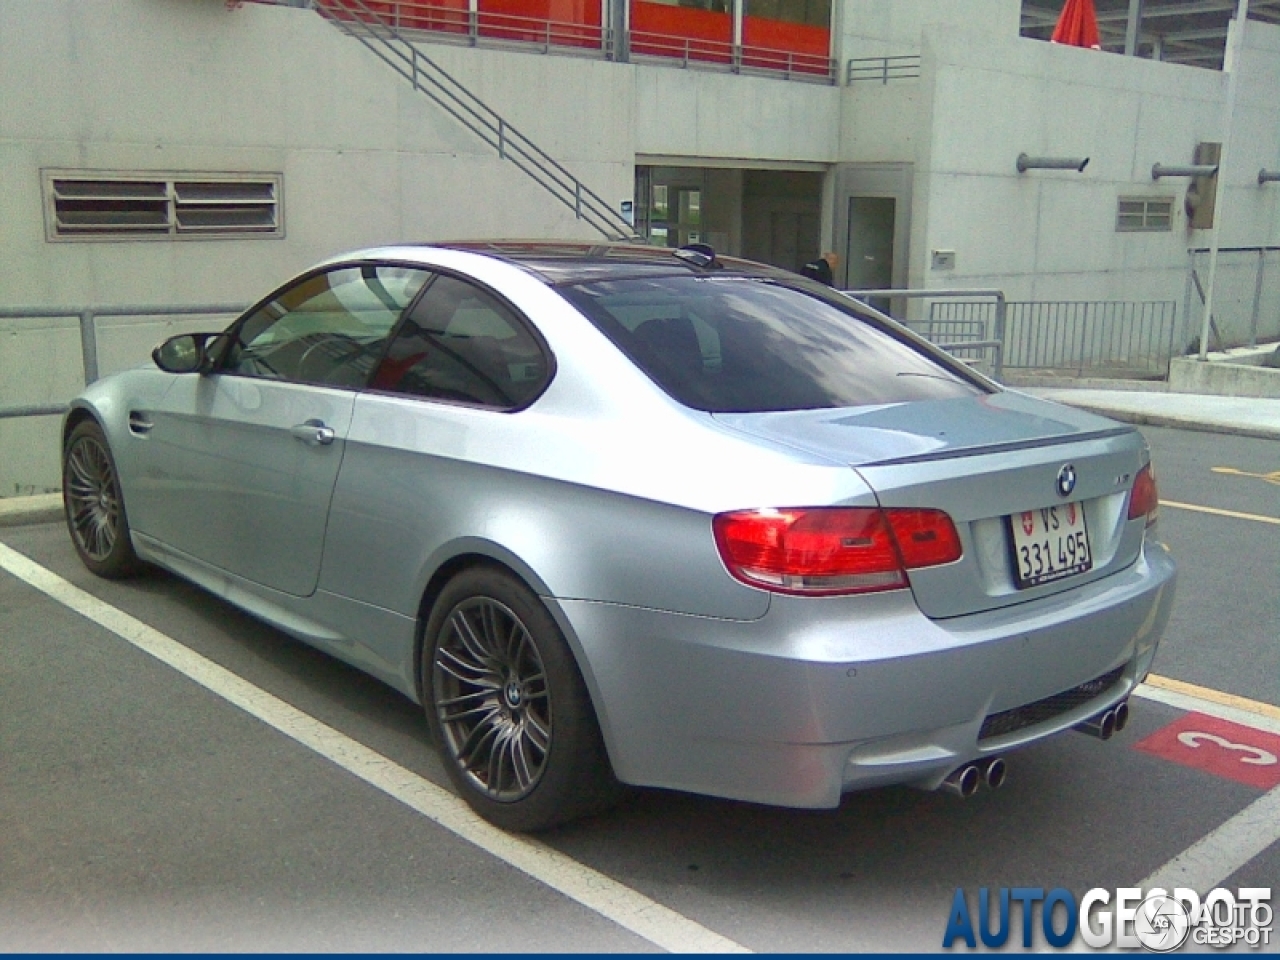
(1212, 708)
(1209, 861)
(1216, 856)
(628, 908)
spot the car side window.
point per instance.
(328, 329)
(460, 343)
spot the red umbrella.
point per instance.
(1078, 25)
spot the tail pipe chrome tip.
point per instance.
(1122, 715)
(1108, 723)
(994, 772)
(963, 781)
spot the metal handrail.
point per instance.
(995, 344)
(884, 69)
(738, 58)
(88, 317)
(476, 27)
(1193, 279)
(432, 17)
(404, 56)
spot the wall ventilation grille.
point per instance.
(138, 207)
(1144, 214)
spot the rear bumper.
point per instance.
(824, 696)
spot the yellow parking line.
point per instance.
(1272, 477)
(1220, 513)
(1214, 696)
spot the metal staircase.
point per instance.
(357, 19)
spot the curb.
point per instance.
(1177, 422)
(23, 511)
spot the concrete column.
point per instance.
(1133, 28)
(737, 32)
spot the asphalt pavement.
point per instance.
(142, 806)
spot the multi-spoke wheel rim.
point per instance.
(491, 698)
(93, 505)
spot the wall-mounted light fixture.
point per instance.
(1269, 176)
(1194, 170)
(1026, 163)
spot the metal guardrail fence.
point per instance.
(735, 58)
(1246, 297)
(428, 20)
(973, 339)
(87, 318)
(1117, 338)
(882, 69)
(357, 19)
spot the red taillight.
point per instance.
(1145, 498)
(925, 537)
(833, 550)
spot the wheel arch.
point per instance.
(78, 414)
(467, 554)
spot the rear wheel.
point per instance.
(508, 707)
(94, 507)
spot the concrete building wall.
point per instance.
(153, 85)
(145, 85)
(887, 28)
(699, 114)
(1051, 235)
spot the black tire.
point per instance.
(94, 506)
(508, 708)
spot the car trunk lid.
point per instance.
(988, 462)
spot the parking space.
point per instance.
(143, 808)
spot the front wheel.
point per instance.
(94, 506)
(508, 707)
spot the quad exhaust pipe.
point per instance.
(1108, 723)
(964, 781)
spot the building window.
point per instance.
(81, 205)
(814, 13)
(1144, 214)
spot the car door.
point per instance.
(241, 461)
(461, 359)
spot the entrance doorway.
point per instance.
(774, 216)
(873, 214)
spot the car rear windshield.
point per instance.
(741, 344)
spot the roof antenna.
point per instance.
(699, 254)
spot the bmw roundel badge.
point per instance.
(1066, 480)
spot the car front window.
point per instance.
(329, 328)
(746, 344)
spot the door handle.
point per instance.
(313, 433)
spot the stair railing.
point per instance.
(357, 19)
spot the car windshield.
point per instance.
(740, 344)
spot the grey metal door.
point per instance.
(873, 225)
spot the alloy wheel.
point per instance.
(93, 499)
(492, 699)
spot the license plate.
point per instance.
(1049, 544)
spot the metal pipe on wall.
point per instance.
(1235, 53)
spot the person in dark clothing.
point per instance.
(821, 269)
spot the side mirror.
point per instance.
(187, 352)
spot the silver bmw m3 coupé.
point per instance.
(621, 515)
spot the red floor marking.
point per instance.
(1219, 747)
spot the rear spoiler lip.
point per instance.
(1004, 447)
